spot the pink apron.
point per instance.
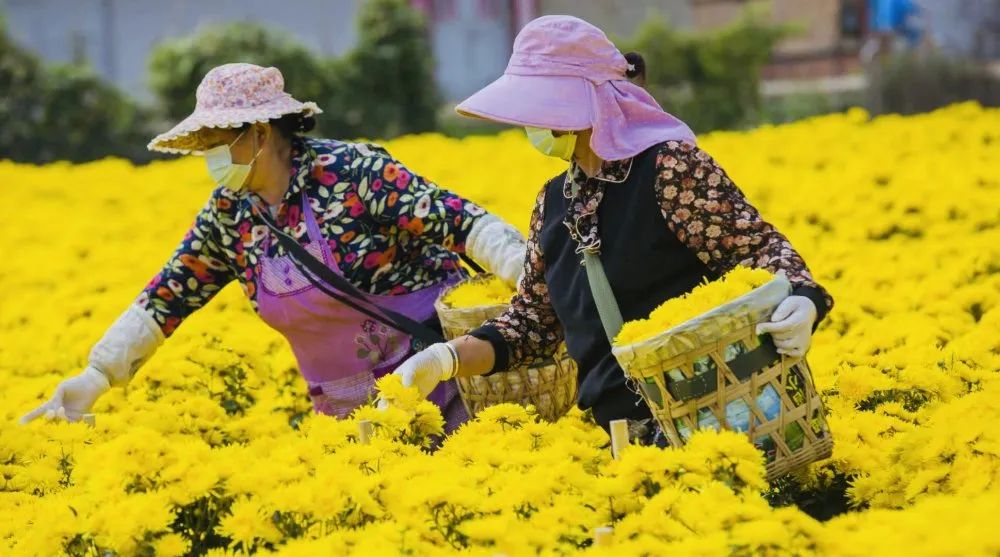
(341, 351)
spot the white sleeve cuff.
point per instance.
(130, 341)
(498, 246)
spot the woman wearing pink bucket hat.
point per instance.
(656, 213)
(337, 246)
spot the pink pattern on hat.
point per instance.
(564, 74)
(229, 96)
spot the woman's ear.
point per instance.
(263, 131)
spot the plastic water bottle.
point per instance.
(738, 415)
(707, 419)
(769, 402)
(794, 436)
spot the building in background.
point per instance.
(967, 28)
(116, 36)
(472, 38)
(832, 32)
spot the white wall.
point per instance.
(472, 43)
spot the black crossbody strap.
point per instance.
(472, 263)
(318, 273)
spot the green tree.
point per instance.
(915, 82)
(21, 79)
(62, 112)
(386, 86)
(711, 80)
(383, 87)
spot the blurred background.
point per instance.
(85, 79)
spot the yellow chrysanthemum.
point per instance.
(486, 292)
(701, 299)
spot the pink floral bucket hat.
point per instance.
(228, 97)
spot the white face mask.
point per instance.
(550, 145)
(224, 171)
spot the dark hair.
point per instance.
(638, 73)
(290, 125)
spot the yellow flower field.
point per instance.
(213, 448)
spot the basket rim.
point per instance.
(658, 339)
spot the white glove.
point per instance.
(791, 325)
(425, 369)
(73, 397)
(498, 246)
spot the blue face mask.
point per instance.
(548, 144)
(224, 171)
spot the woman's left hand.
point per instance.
(791, 325)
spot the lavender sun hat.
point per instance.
(564, 74)
(228, 97)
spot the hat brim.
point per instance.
(553, 102)
(183, 138)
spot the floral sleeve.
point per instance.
(393, 194)
(194, 274)
(713, 218)
(529, 331)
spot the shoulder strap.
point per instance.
(604, 297)
(317, 273)
(600, 288)
(472, 264)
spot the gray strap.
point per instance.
(604, 297)
(600, 288)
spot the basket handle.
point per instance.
(742, 366)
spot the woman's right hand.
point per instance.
(425, 369)
(129, 341)
(465, 356)
(73, 397)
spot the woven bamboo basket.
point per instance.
(550, 387)
(714, 371)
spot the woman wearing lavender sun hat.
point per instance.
(660, 213)
(368, 224)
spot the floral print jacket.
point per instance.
(390, 231)
(700, 205)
